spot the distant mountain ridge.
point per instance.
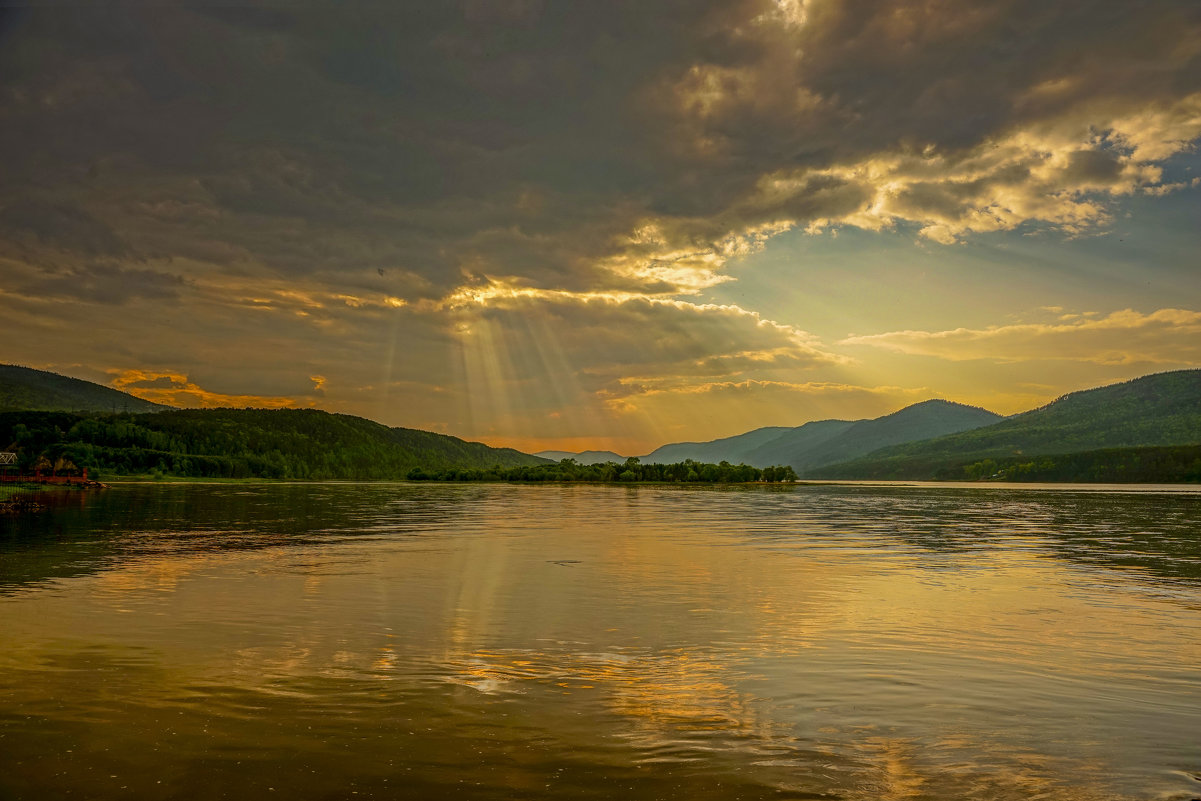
(24, 388)
(785, 448)
(824, 442)
(920, 421)
(1162, 409)
(731, 449)
(814, 444)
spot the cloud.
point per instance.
(174, 389)
(640, 147)
(811, 389)
(98, 282)
(601, 339)
(1063, 173)
(961, 120)
(58, 226)
(1163, 337)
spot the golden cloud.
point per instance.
(808, 389)
(1058, 174)
(635, 329)
(1166, 337)
(1061, 173)
(175, 389)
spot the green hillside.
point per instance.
(26, 388)
(809, 447)
(240, 443)
(1155, 410)
(1158, 465)
(920, 421)
(793, 442)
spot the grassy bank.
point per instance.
(10, 491)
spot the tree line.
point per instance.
(1149, 465)
(632, 470)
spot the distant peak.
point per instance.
(935, 404)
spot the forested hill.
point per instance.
(808, 453)
(26, 388)
(1156, 410)
(240, 443)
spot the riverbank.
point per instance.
(33, 496)
(990, 484)
(9, 492)
(17, 498)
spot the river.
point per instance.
(413, 641)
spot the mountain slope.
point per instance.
(237, 443)
(794, 442)
(823, 442)
(26, 388)
(730, 449)
(920, 421)
(1156, 410)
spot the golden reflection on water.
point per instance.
(655, 694)
(658, 644)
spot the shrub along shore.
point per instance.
(685, 472)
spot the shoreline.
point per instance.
(1182, 486)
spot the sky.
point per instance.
(601, 225)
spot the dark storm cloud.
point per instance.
(524, 138)
(412, 149)
(59, 226)
(380, 140)
(245, 16)
(934, 72)
(102, 283)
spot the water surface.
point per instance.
(492, 641)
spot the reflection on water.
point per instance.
(413, 641)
